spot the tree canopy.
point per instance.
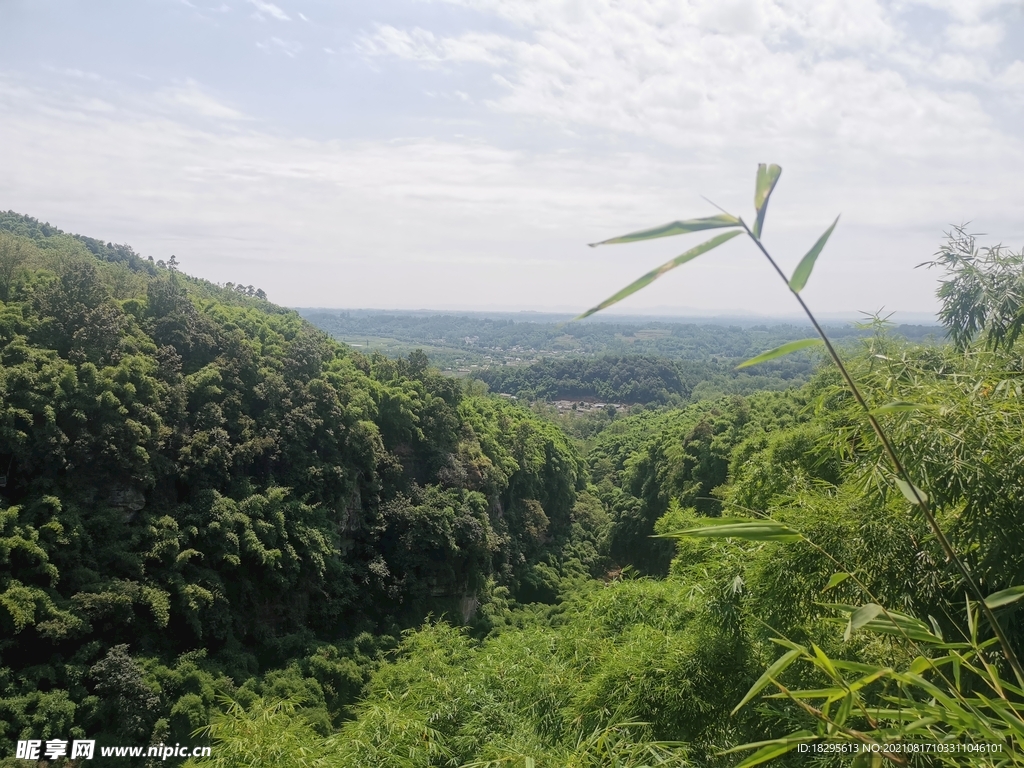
(201, 487)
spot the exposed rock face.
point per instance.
(128, 499)
(467, 607)
(354, 511)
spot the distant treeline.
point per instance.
(676, 340)
(639, 378)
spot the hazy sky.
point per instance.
(461, 153)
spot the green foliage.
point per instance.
(632, 379)
(672, 229)
(981, 290)
(552, 691)
(802, 273)
(190, 468)
(840, 626)
(491, 343)
(960, 440)
(974, 299)
(785, 349)
(916, 708)
(639, 464)
(767, 178)
(611, 378)
(14, 252)
(217, 522)
(267, 732)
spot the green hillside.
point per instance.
(218, 526)
(200, 487)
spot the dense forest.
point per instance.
(221, 526)
(632, 361)
(200, 488)
(818, 580)
(640, 379)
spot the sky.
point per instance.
(460, 154)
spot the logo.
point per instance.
(51, 749)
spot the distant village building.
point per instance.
(583, 405)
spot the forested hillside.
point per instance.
(200, 488)
(786, 561)
(219, 526)
(632, 361)
(646, 667)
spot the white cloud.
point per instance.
(81, 74)
(423, 46)
(706, 74)
(967, 10)
(428, 223)
(975, 36)
(290, 48)
(826, 22)
(193, 98)
(829, 25)
(1013, 76)
(92, 104)
(957, 68)
(631, 109)
(264, 9)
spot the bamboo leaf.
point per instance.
(812, 693)
(825, 663)
(899, 406)
(787, 644)
(675, 228)
(769, 675)
(785, 349)
(866, 760)
(771, 751)
(836, 580)
(654, 274)
(800, 737)
(860, 617)
(909, 490)
(868, 679)
(767, 178)
(719, 521)
(803, 269)
(920, 665)
(855, 666)
(893, 623)
(845, 709)
(1004, 597)
(760, 530)
(972, 621)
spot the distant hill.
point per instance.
(632, 360)
(468, 341)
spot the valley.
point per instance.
(223, 527)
